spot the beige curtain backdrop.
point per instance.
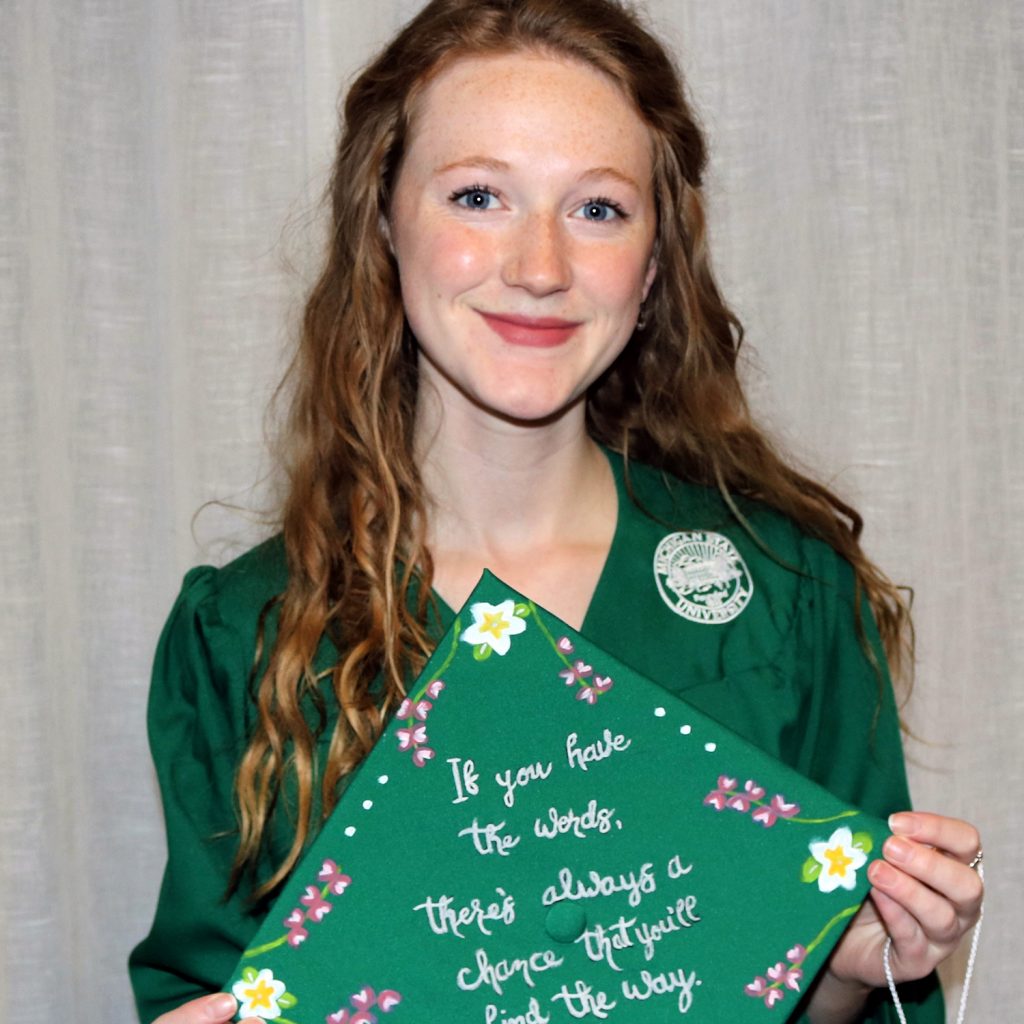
(159, 162)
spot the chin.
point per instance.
(530, 409)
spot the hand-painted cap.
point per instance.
(543, 835)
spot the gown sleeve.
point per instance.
(851, 734)
(197, 729)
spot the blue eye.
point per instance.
(598, 210)
(476, 197)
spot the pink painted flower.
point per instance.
(363, 1002)
(719, 798)
(716, 798)
(388, 999)
(364, 998)
(576, 673)
(783, 809)
(421, 755)
(435, 688)
(599, 685)
(410, 708)
(756, 988)
(317, 908)
(741, 802)
(753, 790)
(768, 814)
(411, 737)
(297, 934)
(780, 974)
(331, 875)
(565, 645)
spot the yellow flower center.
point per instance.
(838, 861)
(494, 623)
(259, 997)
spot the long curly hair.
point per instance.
(354, 519)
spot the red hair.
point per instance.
(353, 520)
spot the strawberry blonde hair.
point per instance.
(353, 520)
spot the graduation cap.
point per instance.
(543, 835)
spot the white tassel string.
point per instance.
(971, 957)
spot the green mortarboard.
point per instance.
(543, 835)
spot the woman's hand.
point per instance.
(215, 1009)
(924, 895)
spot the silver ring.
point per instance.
(977, 858)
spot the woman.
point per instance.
(516, 341)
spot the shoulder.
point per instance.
(236, 593)
(765, 538)
(734, 607)
(211, 634)
(730, 588)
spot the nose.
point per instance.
(538, 258)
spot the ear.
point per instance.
(652, 273)
(385, 232)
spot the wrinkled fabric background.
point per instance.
(159, 169)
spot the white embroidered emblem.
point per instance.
(701, 576)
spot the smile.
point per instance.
(532, 332)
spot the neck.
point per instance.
(502, 487)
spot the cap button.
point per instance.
(565, 922)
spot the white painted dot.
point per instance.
(350, 831)
(383, 780)
(367, 804)
(659, 712)
(685, 730)
(710, 747)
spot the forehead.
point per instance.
(523, 101)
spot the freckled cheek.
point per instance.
(616, 278)
(459, 258)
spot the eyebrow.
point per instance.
(609, 172)
(487, 163)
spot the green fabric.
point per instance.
(740, 873)
(787, 673)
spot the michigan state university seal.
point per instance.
(702, 577)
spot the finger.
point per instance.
(901, 926)
(958, 838)
(950, 878)
(213, 1009)
(936, 917)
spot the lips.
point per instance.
(529, 331)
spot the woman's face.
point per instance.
(523, 224)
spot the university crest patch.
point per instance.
(701, 576)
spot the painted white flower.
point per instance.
(494, 625)
(259, 994)
(839, 859)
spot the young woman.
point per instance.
(516, 357)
